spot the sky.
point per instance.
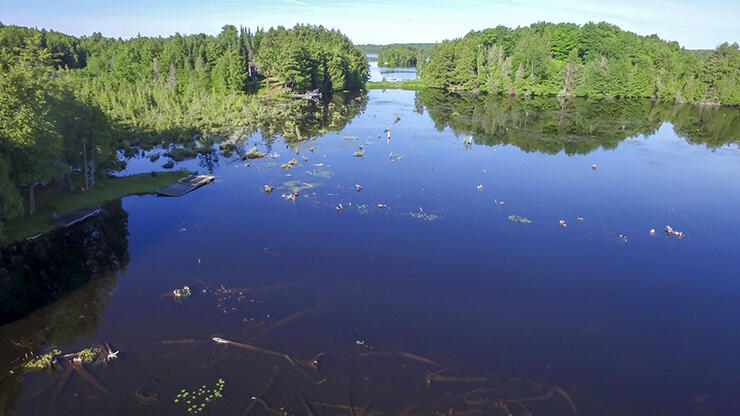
(695, 24)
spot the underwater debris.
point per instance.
(268, 188)
(253, 153)
(363, 209)
(263, 390)
(181, 293)
(282, 322)
(358, 153)
(671, 232)
(395, 157)
(358, 188)
(516, 218)
(437, 377)
(479, 187)
(402, 354)
(421, 215)
(298, 364)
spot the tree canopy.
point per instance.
(400, 56)
(309, 57)
(68, 104)
(594, 60)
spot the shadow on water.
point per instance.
(75, 268)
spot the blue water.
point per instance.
(378, 73)
(624, 322)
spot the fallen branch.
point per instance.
(282, 322)
(402, 354)
(294, 362)
(262, 392)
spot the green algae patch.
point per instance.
(516, 218)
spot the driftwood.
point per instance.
(293, 361)
(282, 322)
(407, 355)
(262, 392)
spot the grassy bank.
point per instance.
(412, 84)
(61, 202)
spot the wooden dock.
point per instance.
(80, 215)
(185, 185)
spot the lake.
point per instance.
(392, 74)
(493, 256)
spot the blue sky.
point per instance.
(694, 24)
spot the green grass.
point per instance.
(61, 202)
(412, 84)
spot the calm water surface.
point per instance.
(378, 73)
(533, 316)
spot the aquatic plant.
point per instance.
(421, 215)
(43, 361)
(516, 218)
(182, 293)
(87, 355)
(197, 398)
(253, 153)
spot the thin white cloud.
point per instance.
(296, 3)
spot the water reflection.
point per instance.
(292, 121)
(575, 126)
(87, 257)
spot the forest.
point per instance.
(593, 60)
(401, 56)
(375, 49)
(69, 104)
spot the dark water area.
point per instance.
(423, 290)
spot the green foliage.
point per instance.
(308, 57)
(69, 104)
(195, 400)
(400, 56)
(375, 49)
(43, 361)
(595, 60)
